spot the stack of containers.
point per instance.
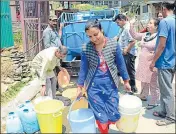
(26, 117)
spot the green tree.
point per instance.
(86, 7)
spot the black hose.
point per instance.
(32, 46)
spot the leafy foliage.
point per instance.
(85, 7)
(56, 5)
(12, 92)
(17, 37)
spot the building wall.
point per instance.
(152, 11)
(154, 7)
(110, 3)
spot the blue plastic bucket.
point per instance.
(81, 120)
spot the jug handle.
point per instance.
(77, 99)
(57, 114)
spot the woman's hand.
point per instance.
(152, 65)
(125, 51)
(79, 92)
(132, 21)
(127, 86)
(43, 90)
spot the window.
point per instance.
(110, 4)
(105, 2)
(145, 9)
(98, 3)
(116, 2)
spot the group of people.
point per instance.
(104, 59)
(46, 64)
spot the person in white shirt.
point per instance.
(127, 45)
(43, 65)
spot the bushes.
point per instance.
(17, 37)
(86, 7)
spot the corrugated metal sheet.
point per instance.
(6, 36)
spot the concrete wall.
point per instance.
(151, 12)
(153, 8)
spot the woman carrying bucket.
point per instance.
(101, 60)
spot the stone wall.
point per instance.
(17, 67)
(21, 69)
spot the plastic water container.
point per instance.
(13, 124)
(81, 120)
(29, 105)
(129, 107)
(29, 121)
(21, 107)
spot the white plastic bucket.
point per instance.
(41, 99)
(81, 120)
(130, 109)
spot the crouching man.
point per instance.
(43, 66)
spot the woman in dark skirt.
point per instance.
(101, 60)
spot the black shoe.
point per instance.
(134, 89)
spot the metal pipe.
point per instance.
(32, 47)
(23, 25)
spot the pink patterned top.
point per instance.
(143, 72)
(103, 67)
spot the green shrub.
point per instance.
(86, 7)
(17, 37)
